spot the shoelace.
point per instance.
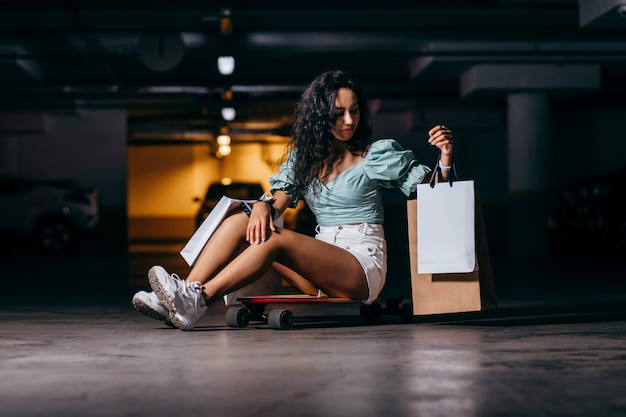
(194, 285)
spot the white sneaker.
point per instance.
(148, 304)
(184, 300)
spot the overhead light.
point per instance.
(228, 113)
(226, 25)
(223, 140)
(226, 64)
(223, 150)
(226, 95)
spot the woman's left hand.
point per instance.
(441, 137)
(260, 224)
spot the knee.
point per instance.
(236, 221)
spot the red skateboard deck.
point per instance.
(281, 319)
(293, 299)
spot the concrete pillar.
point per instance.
(528, 144)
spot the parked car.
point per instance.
(590, 215)
(53, 213)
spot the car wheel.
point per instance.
(55, 235)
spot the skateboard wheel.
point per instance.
(371, 313)
(280, 319)
(406, 313)
(237, 317)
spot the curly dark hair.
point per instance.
(314, 120)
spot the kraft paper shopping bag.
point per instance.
(440, 293)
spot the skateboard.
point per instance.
(253, 309)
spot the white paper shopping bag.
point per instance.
(196, 243)
(445, 236)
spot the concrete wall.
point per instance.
(88, 146)
(164, 182)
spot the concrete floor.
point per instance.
(72, 345)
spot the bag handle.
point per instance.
(452, 175)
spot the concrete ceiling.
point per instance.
(158, 58)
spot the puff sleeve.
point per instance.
(388, 163)
(282, 181)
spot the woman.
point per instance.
(335, 166)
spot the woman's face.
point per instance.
(347, 114)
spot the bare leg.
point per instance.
(227, 242)
(295, 279)
(229, 263)
(330, 268)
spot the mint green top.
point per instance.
(355, 195)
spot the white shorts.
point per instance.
(366, 242)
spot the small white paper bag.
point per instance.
(445, 236)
